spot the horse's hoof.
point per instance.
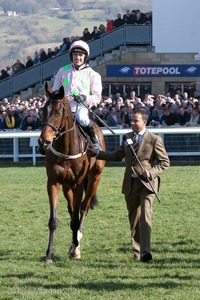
(75, 252)
(48, 261)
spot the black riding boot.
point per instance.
(93, 137)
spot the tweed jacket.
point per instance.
(152, 155)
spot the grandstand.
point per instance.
(29, 82)
(167, 45)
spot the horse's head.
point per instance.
(54, 116)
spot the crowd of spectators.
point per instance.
(21, 115)
(114, 110)
(163, 110)
(134, 17)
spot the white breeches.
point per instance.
(81, 113)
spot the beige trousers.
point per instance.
(139, 205)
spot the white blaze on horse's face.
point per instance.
(78, 58)
(49, 108)
(54, 111)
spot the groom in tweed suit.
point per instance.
(139, 194)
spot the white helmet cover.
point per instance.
(79, 46)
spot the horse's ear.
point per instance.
(62, 91)
(47, 88)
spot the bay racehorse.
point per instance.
(68, 165)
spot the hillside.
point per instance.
(25, 33)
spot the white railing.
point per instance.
(15, 136)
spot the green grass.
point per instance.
(106, 270)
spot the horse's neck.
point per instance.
(71, 137)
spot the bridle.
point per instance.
(58, 132)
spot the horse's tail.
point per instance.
(94, 201)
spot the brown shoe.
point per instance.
(145, 256)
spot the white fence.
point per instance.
(179, 141)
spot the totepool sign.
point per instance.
(153, 70)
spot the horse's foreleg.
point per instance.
(53, 220)
(79, 233)
(92, 184)
(75, 252)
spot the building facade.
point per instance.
(145, 71)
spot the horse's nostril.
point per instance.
(43, 144)
(46, 144)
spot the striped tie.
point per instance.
(136, 142)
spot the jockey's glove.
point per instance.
(80, 98)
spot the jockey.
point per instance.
(81, 84)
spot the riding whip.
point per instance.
(96, 116)
(129, 143)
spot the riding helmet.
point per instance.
(79, 47)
